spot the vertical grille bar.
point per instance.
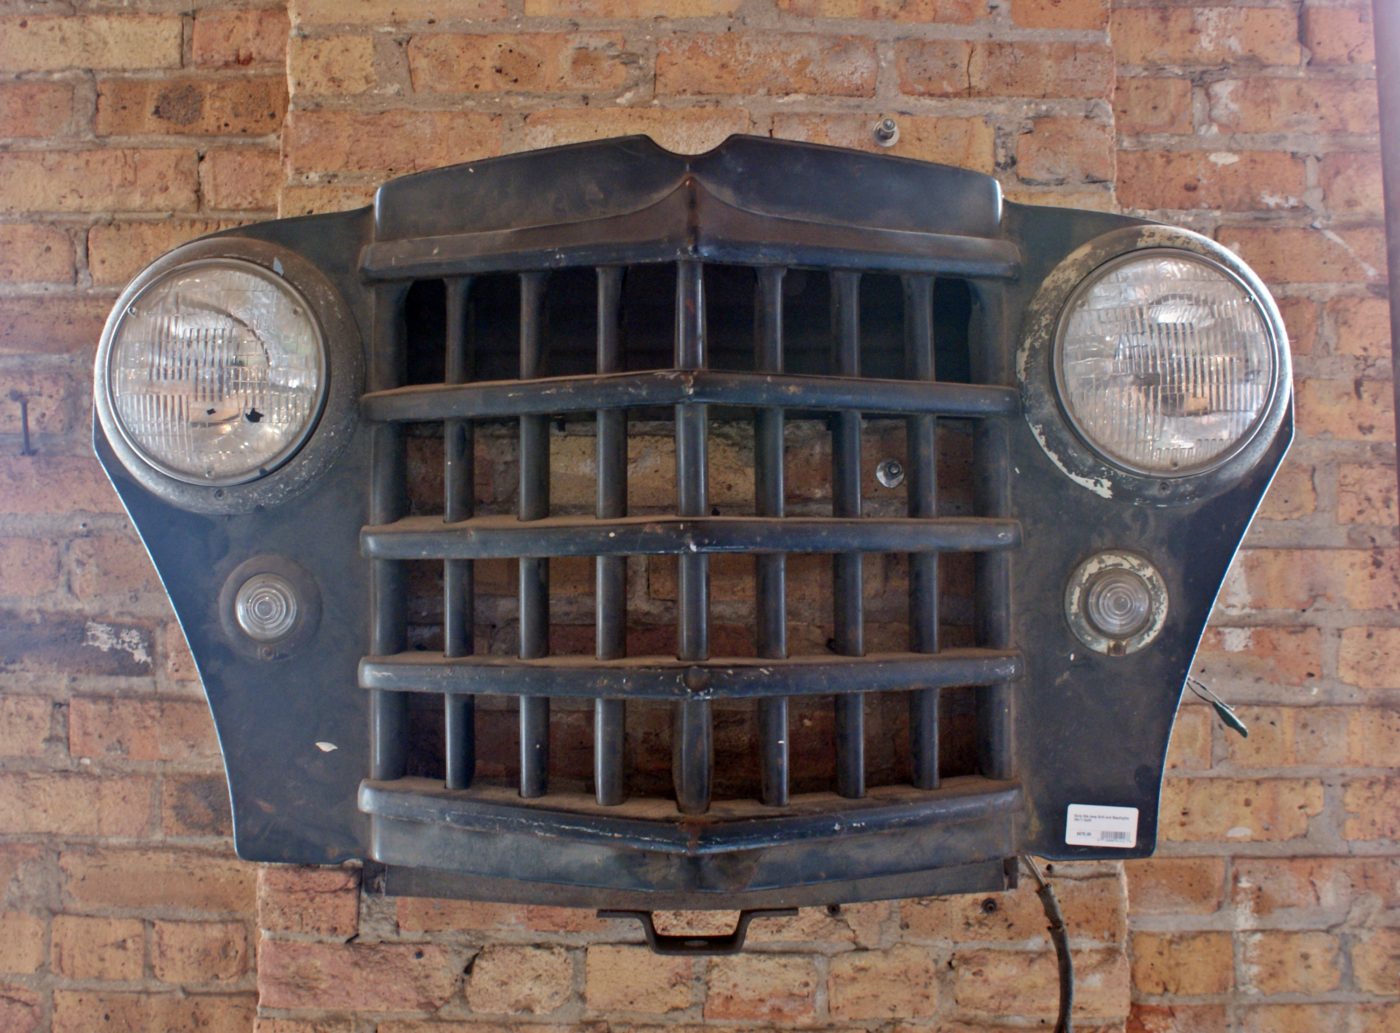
(609, 715)
(692, 737)
(771, 568)
(923, 567)
(992, 494)
(534, 572)
(388, 501)
(849, 616)
(459, 589)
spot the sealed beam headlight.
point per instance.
(216, 371)
(1165, 362)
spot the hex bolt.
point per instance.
(886, 132)
(890, 473)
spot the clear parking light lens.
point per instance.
(1165, 362)
(216, 372)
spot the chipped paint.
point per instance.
(124, 640)
(1101, 486)
(326, 747)
(1223, 158)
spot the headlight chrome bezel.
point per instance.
(326, 431)
(1056, 428)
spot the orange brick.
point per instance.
(240, 178)
(1365, 494)
(1238, 810)
(125, 41)
(198, 952)
(25, 725)
(1368, 657)
(1177, 1018)
(520, 980)
(320, 901)
(21, 943)
(859, 924)
(1318, 889)
(771, 988)
(241, 106)
(1375, 960)
(1246, 181)
(1310, 256)
(1060, 14)
(1286, 736)
(117, 179)
(55, 403)
(1293, 1018)
(1093, 909)
(945, 12)
(1354, 410)
(21, 1010)
(1377, 1018)
(968, 143)
(634, 979)
(1182, 963)
(1299, 579)
(1351, 184)
(1176, 885)
(956, 68)
(1277, 962)
(1361, 326)
(81, 1011)
(1066, 150)
(900, 982)
(387, 142)
(1293, 493)
(993, 982)
(109, 949)
(186, 879)
(240, 39)
(1190, 747)
(1300, 320)
(331, 65)
(766, 64)
(26, 874)
(36, 109)
(1266, 105)
(684, 130)
(117, 251)
(313, 200)
(28, 567)
(307, 13)
(195, 805)
(74, 804)
(1152, 105)
(1372, 736)
(1373, 808)
(1205, 36)
(1339, 35)
(519, 63)
(37, 326)
(32, 253)
(113, 566)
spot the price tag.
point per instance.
(1097, 825)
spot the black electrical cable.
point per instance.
(1060, 938)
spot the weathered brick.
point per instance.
(387, 142)
(1182, 963)
(48, 643)
(117, 251)
(34, 253)
(113, 566)
(859, 924)
(95, 41)
(198, 952)
(997, 982)
(238, 106)
(1375, 960)
(308, 13)
(38, 326)
(21, 1010)
(1293, 493)
(520, 980)
(195, 805)
(957, 68)
(943, 12)
(54, 402)
(1372, 735)
(1314, 105)
(240, 178)
(766, 64)
(297, 199)
(34, 109)
(1353, 410)
(1235, 181)
(185, 879)
(1286, 736)
(28, 567)
(1377, 1018)
(239, 39)
(528, 63)
(1177, 1018)
(1066, 150)
(1205, 36)
(1351, 184)
(51, 803)
(770, 988)
(1176, 885)
(1367, 657)
(1347, 256)
(25, 875)
(318, 901)
(1339, 35)
(1060, 14)
(113, 180)
(621, 978)
(21, 943)
(1190, 747)
(1373, 808)
(1152, 104)
(82, 1011)
(967, 143)
(1365, 494)
(1321, 890)
(1093, 908)
(108, 949)
(1361, 326)
(1277, 962)
(899, 982)
(1300, 319)
(1238, 810)
(26, 723)
(140, 729)
(1292, 1018)
(1299, 579)
(331, 65)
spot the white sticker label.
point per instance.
(1090, 825)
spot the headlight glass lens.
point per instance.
(1165, 362)
(216, 372)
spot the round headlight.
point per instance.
(1165, 362)
(216, 371)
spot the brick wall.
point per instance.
(1274, 904)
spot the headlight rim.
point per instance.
(1046, 413)
(326, 434)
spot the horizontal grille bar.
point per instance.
(428, 537)
(665, 678)
(554, 395)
